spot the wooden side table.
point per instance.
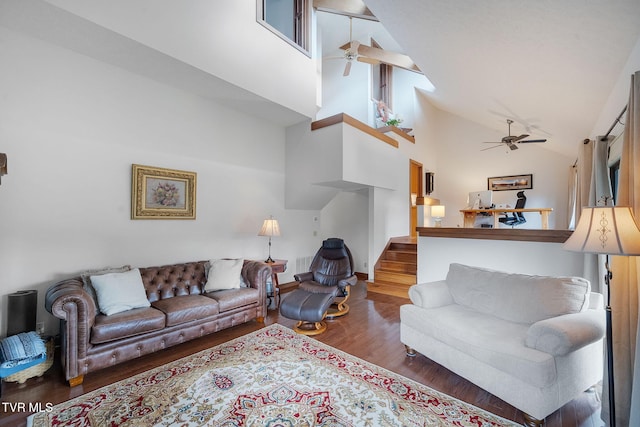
(277, 266)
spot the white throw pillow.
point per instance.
(118, 292)
(86, 278)
(224, 274)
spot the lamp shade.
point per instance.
(608, 230)
(437, 211)
(270, 228)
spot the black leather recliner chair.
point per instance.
(323, 291)
(331, 269)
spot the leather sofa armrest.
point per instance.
(256, 273)
(564, 334)
(303, 277)
(431, 295)
(67, 300)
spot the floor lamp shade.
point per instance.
(270, 228)
(609, 230)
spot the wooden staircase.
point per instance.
(396, 268)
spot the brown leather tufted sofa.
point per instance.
(180, 311)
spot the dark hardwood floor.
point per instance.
(370, 331)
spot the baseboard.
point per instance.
(362, 276)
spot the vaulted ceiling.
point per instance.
(548, 65)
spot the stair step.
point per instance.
(388, 289)
(383, 276)
(405, 247)
(401, 256)
(399, 266)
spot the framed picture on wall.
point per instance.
(158, 193)
(510, 182)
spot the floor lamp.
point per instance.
(606, 230)
(270, 228)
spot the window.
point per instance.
(614, 172)
(381, 81)
(289, 19)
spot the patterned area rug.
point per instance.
(271, 377)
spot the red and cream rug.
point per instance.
(271, 377)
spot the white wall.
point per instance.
(618, 97)
(346, 217)
(72, 126)
(547, 259)
(345, 94)
(404, 84)
(223, 39)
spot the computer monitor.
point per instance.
(480, 199)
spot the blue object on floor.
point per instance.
(19, 352)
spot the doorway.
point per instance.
(415, 192)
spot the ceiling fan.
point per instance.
(511, 140)
(354, 50)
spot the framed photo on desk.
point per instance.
(510, 182)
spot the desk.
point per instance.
(277, 266)
(470, 215)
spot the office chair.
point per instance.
(518, 217)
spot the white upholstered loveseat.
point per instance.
(533, 341)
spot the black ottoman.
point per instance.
(308, 308)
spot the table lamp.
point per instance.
(270, 228)
(437, 212)
(607, 230)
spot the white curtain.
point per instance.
(626, 276)
(593, 187)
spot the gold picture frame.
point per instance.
(159, 193)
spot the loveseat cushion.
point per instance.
(229, 299)
(491, 341)
(186, 308)
(517, 297)
(126, 324)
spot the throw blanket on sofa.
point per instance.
(20, 349)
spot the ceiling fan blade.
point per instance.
(532, 140)
(495, 146)
(512, 146)
(518, 138)
(347, 69)
(355, 44)
(492, 142)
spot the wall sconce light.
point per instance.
(3, 165)
(414, 199)
(437, 212)
(270, 228)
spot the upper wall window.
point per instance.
(289, 19)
